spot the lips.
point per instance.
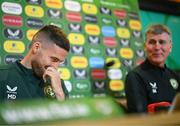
(156, 54)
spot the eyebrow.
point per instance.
(55, 58)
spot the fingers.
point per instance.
(55, 82)
(51, 72)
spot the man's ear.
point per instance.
(36, 47)
(170, 47)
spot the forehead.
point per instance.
(163, 36)
(55, 51)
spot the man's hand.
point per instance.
(55, 82)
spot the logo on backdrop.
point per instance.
(13, 33)
(56, 14)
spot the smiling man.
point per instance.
(152, 84)
(26, 79)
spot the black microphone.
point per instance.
(48, 91)
(110, 63)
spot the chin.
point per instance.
(157, 62)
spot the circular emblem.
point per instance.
(174, 83)
(49, 92)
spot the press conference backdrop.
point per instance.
(100, 31)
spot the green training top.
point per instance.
(20, 83)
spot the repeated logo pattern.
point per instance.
(105, 36)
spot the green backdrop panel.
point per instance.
(105, 36)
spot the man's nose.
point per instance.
(157, 45)
(55, 65)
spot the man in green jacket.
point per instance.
(28, 78)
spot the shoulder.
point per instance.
(8, 66)
(137, 70)
(6, 69)
(174, 73)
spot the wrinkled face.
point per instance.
(157, 48)
(49, 55)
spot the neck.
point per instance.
(158, 65)
(26, 61)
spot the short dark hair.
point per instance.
(52, 34)
(158, 29)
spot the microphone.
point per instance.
(48, 91)
(154, 107)
(110, 63)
